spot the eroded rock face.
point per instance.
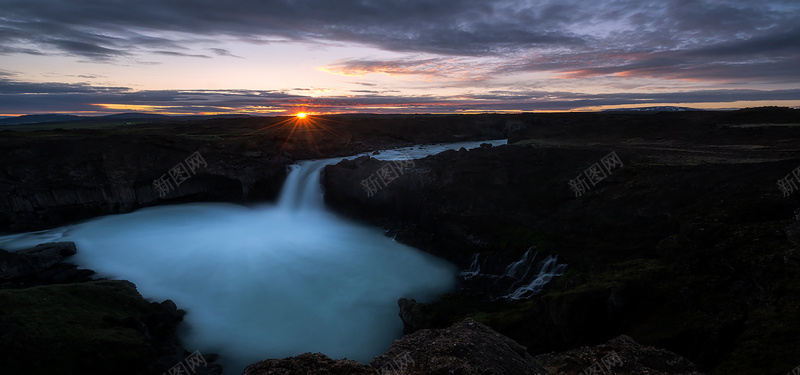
(50, 181)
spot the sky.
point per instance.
(277, 57)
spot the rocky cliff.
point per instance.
(52, 177)
(687, 243)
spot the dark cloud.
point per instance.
(222, 52)
(15, 97)
(180, 54)
(392, 23)
(6, 50)
(452, 27)
(731, 39)
(86, 49)
(364, 84)
(432, 67)
(14, 87)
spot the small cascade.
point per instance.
(521, 279)
(546, 270)
(474, 268)
(521, 266)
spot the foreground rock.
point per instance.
(308, 363)
(55, 320)
(621, 356)
(468, 348)
(40, 265)
(471, 348)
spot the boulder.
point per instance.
(467, 348)
(308, 363)
(621, 356)
(40, 265)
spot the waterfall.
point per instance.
(302, 189)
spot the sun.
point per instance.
(301, 115)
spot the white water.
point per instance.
(545, 271)
(530, 277)
(265, 282)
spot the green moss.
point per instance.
(615, 275)
(74, 328)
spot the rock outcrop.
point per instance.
(471, 348)
(621, 356)
(54, 319)
(308, 363)
(468, 348)
(40, 265)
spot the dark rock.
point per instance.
(96, 327)
(409, 315)
(308, 363)
(793, 231)
(40, 265)
(465, 348)
(621, 356)
(690, 246)
(130, 328)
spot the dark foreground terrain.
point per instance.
(683, 258)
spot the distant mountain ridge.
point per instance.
(132, 116)
(654, 109)
(35, 119)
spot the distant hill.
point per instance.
(35, 119)
(654, 109)
(135, 116)
(132, 117)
